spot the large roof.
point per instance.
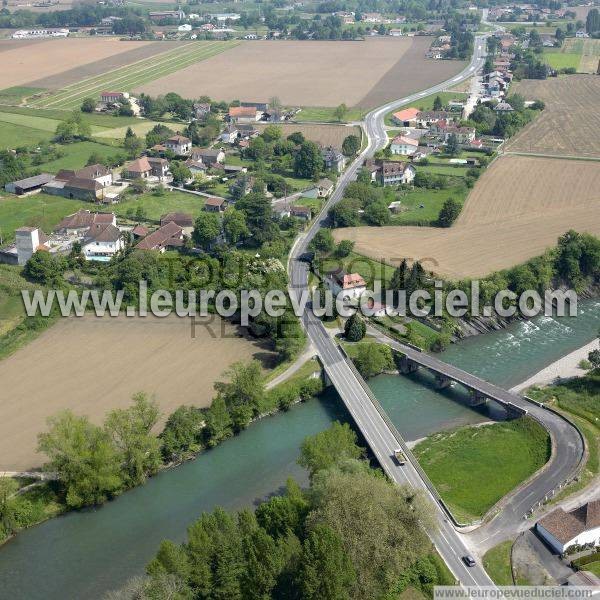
(564, 526)
(35, 181)
(83, 219)
(102, 232)
(408, 114)
(160, 238)
(140, 165)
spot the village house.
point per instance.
(78, 223)
(184, 220)
(443, 130)
(244, 114)
(391, 172)
(113, 97)
(213, 204)
(406, 117)
(139, 168)
(333, 159)
(140, 231)
(166, 236)
(579, 527)
(247, 131)
(208, 156)
(101, 242)
(196, 167)
(324, 187)
(425, 118)
(230, 135)
(29, 185)
(74, 187)
(301, 212)
(97, 172)
(179, 145)
(404, 145)
(351, 285)
(159, 167)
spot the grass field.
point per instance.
(16, 94)
(325, 115)
(129, 353)
(130, 77)
(520, 204)
(422, 207)
(77, 154)
(474, 467)
(155, 206)
(496, 562)
(39, 210)
(558, 59)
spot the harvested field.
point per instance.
(517, 210)
(327, 135)
(93, 365)
(590, 58)
(56, 56)
(310, 73)
(570, 123)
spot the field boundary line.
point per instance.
(556, 156)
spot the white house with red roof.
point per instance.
(406, 117)
(404, 145)
(350, 285)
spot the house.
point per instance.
(75, 187)
(404, 145)
(139, 168)
(395, 32)
(201, 110)
(371, 18)
(579, 527)
(244, 114)
(301, 212)
(503, 107)
(113, 97)
(140, 231)
(351, 285)
(166, 236)
(390, 172)
(184, 28)
(195, 166)
(425, 118)
(581, 34)
(29, 185)
(78, 223)
(208, 156)
(333, 159)
(214, 205)
(159, 166)
(247, 131)
(406, 117)
(179, 145)
(160, 15)
(96, 172)
(324, 188)
(444, 130)
(101, 242)
(230, 135)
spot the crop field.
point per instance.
(122, 356)
(131, 76)
(517, 210)
(327, 135)
(312, 73)
(590, 57)
(570, 123)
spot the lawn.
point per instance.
(15, 95)
(99, 119)
(154, 206)
(423, 206)
(474, 467)
(496, 562)
(561, 60)
(325, 115)
(594, 568)
(40, 210)
(77, 154)
(16, 136)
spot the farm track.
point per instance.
(132, 75)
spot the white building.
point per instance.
(185, 27)
(404, 145)
(351, 285)
(578, 527)
(226, 17)
(179, 145)
(101, 242)
(28, 34)
(27, 241)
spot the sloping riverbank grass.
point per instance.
(496, 562)
(474, 467)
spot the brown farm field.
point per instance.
(92, 365)
(570, 123)
(312, 73)
(327, 135)
(517, 210)
(52, 57)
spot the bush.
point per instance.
(355, 328)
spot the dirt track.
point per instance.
(310, 73)
(516, 211)
(94, 365)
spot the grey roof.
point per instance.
(30, 182)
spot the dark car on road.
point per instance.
(468, 560)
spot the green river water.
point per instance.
(83, 554)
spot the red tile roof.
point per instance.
(408, 114)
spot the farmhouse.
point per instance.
(333, 159)
(214, 205)
(195, 166)
(404, 145)
(208, 156)
(30, 185)
(179, 145)
(101, 242)
(426, 117)
(389, 172)
(184, 220)
(351, 284)
(324, 188)
(137, 169)
(561, 529)
(159, 15)
(113, 97)
(96, 172)
(78, 223)
(167, 236)
(406, 117)
(159, 166)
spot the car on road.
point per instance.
(399, 456)
(468, 560)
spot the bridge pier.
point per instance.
(477, 398)
(406, 366)
(442, 382)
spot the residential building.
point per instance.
(184, 220)
(139, 168)
(244, 114)
(391, 172)
(113, 97)
(214, 205)
(29, 185)
(444, 130)
(406, 117)
(247, 130)
(195, 166)
(78, 223)
(230, 135)
(208, 156)
(140, 231)
(96, 172)
(425, 118)
(179, 145)
(102, 241)
(404, 145)
(350, 285)
(301, 212)
(324, 188)
(167, 236)
(579, 527)
(333, 159)
(159, 167)
(160, 15)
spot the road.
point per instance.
(375, 430)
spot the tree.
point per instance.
(377, 213)
(234, 225)
(340, 112)
(263, 562)
(245, 387)
(308, 161)
(271, 133)
(259, 216)
(218, 422)
(326, 572)
(344, 248)
(448, 213)
(297, 138)
(372, 359)
(8, 488)
(323, 241)
(138, 186)
(131, 432)
(437, 103)
(351, 145)
(592, 22)
(179, 172)
(207, 228)
(594, 358)
(452, 145)
(329, 448)
(87, 463)
(182, 432)
(133, 144)
(88, 105)
(45, 268)
(355, 328)
(345, 213)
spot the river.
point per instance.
(83, 554)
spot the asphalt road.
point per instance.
(376, 432)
